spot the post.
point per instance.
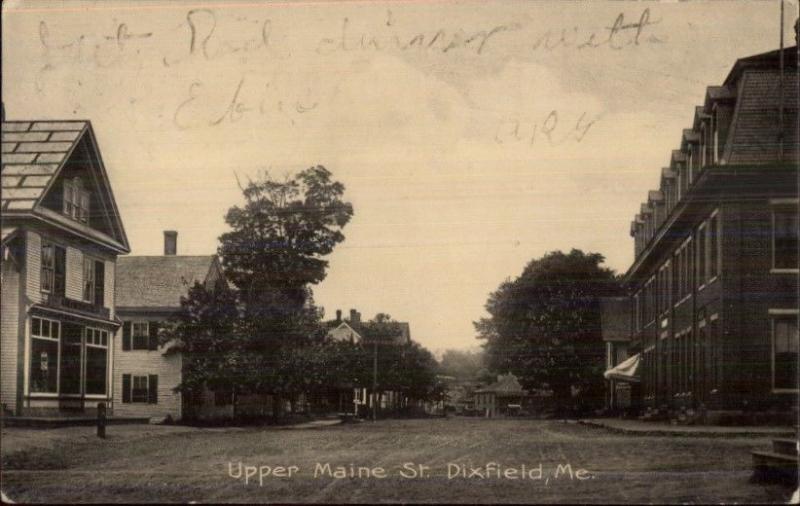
(374, 380)
(101, 420)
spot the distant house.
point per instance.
(346, 398)
(61, 235)
(352, 330)
(503, 397)
(149, 291)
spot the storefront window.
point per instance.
(44, 355)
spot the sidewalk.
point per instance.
(637, 427)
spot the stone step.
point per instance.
(785, 446)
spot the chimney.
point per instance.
(338, 315)
(170, 242)
(355, 317)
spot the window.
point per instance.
(713, 247)
(141, 335)
(701, 255)
(76, 200)
(223, 397)
(45, 335)
(71, 358)
(785, 346)
(785, 237)
(88, 279)
(93, 281)
(96, 361)
(139, 389)
(53, 272)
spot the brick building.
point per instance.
(61, 235)
(714, 283)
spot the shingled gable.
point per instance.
(35, 154)
(159, 282)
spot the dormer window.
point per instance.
(76, 200)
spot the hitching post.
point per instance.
(375, 381)
(101, 420)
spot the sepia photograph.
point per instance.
(400, 251)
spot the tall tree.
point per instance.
(205, 333)
(273, 254)
(544, 326)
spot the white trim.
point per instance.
(782, 270)
(783, 312)
(772, 348)
(783, 201)
(714, 317)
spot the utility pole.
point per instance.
(374, 380)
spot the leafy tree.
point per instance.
(205, 333)
(544, 326)
(273, 253)
(463, 365)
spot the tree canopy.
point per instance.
(544, 326)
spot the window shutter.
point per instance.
(99, 283)
(153, 337)
(60, 275)
(126, 388)
(126, 336)
(152, 389)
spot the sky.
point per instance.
(471, 137)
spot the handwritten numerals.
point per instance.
(549, 130)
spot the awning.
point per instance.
(628, 370)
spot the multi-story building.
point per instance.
(61, 234)
(714, 283)
(148, 292)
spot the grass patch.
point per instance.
(36, 460)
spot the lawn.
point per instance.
(438, 460)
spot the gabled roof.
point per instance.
(160, 281)
(506, 385)
(34, 153)
(344, 332)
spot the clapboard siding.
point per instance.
(74, 287)
(9, 335)
(145, 362)
(33, 266)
